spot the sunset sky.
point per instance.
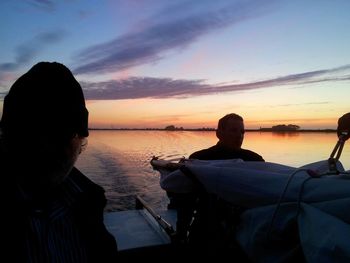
(153, 63)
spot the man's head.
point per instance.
(46, 99)
(44, 119)
(230, 131)
(343, 129)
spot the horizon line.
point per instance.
(214, 129)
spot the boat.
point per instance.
(278, 199)
(289, 209)
(290, 214)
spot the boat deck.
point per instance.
(140, 236)
(137, 228)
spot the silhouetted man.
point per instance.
(230, 133)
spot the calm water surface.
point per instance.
(120, 160)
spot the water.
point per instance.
(120, 160)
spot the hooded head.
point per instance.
(43, 124)
(46, 99)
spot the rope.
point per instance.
(291, 176)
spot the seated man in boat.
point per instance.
(51, 211)
(230, 132)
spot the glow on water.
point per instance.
(120, 160)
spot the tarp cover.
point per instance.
(288, 207)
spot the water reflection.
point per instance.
(119, 160)
(285, 134)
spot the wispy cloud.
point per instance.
(5, 78)
(159, 35)
(134, 88)
(299, 104)
(27, 51)
(45, 5)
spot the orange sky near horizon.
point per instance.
(150, 113)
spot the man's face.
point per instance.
(47, 161)
(232, 135)
(70, 156)
(60, 161)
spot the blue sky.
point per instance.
(154, 63)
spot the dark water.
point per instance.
(120, 160)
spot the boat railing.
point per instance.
(165, 225)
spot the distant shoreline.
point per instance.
(211, 129)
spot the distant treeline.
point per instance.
(282, 127)
(173, 128)
(291, 128)
(276, 128)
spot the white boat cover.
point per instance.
(283, 203)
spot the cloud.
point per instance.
(159, 35)
(162, 88)
(28, 50)
(334, 74)
(135, 88)
(45, 5)
(5, 79)
(299, 104)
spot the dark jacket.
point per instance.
(218, 152)
(212, 228)
(87, 214)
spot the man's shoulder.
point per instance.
(251, 156)
(216, 153)
(83, 182)
(88, 193)
(203, 154)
